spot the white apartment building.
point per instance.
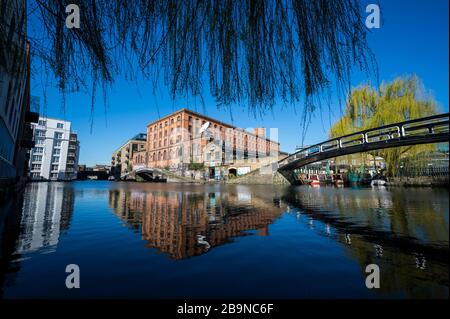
(56, 151)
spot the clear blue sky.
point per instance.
(413, 39)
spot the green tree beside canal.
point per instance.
(405, 98)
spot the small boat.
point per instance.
(314, 180)
(338, 180)
(366, 179)
(378, 181)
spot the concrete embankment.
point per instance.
(264, 175)
(419, 181)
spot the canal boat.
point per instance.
(314, 180)
(338, 180)
(378, 181)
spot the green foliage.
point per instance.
(258, 51)
(196, 166)
(400, 100)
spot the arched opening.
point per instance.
(232, 171)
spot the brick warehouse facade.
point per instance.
(186, 140)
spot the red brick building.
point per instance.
(185, 139)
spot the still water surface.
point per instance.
(136, 240)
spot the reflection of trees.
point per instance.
(174, 221)
(399, 230)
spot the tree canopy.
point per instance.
(405, 98)
(258, 51)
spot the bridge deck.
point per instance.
(431, 129)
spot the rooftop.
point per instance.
(206, 118)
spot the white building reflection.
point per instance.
(46, 213)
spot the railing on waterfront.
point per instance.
(437, 125)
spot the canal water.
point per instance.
(137, 240)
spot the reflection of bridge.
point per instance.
(419, 131)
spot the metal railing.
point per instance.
(408, 130)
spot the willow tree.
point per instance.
(367, 107)
(257, 51)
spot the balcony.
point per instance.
(72, 147)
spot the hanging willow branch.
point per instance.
(260, 51)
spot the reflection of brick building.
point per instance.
(172, 222)
(186, 137)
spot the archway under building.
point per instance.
(232, 171)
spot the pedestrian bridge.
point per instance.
(146, 173)
(425, 130)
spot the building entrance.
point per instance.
(212, 172)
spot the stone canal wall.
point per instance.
(264, 175)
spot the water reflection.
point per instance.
(46, 213)
(404, 231)
(32, 221)
(305, 242)
(185, 224)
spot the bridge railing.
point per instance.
(436, 124)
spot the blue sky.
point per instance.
(413, 39)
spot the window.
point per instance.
(42, 123)
(54, 175)
(38, 150)
(40, 133)
(59, 125)
(37, 158)
(39, 141)
(55, 159)
(56, 152)
(54, 167)
(58, 144)
(58, 135)
(36, 167)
